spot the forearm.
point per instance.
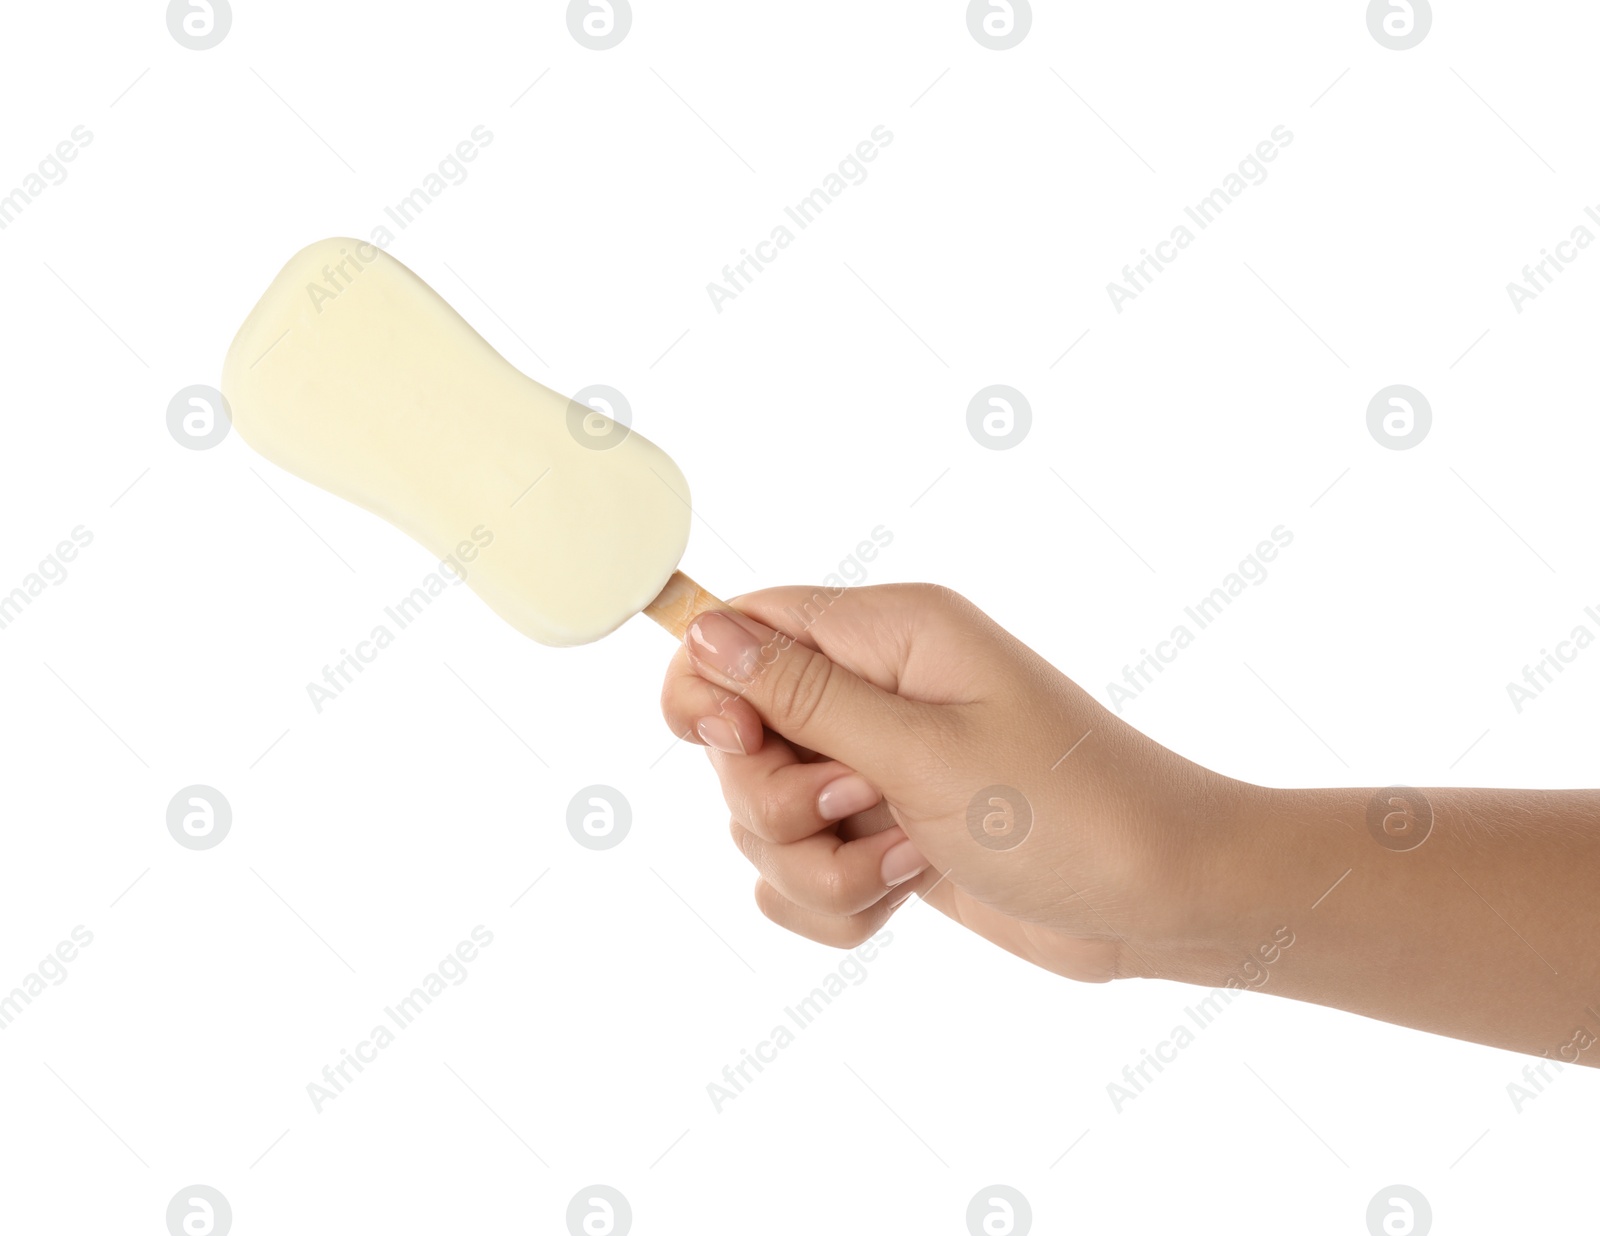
(1485, 926)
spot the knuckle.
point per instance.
(926, 594)
(934, 593)
(771, 813)
(854, 931)
(941, 608)
(833, 890)
(800, 689)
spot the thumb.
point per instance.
(801, 694)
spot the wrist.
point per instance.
(1230, 890)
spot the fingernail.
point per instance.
(845, 796)
(720, 733)
(719, 642)
(901, 863)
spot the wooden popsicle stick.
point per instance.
(680, 603)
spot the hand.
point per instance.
(893, 740)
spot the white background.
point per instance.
(827, 399)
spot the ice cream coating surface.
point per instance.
(369, 385)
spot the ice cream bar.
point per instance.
(352, 373)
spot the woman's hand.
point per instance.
(893, 740)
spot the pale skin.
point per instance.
(849, 758)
